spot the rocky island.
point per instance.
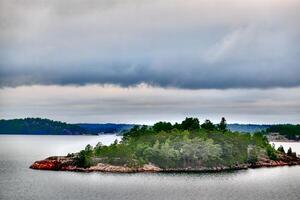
(166, 147)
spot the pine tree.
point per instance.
(281, 149)
(223, 125)
(290, 152)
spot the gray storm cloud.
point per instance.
(166, 43)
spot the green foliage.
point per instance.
(184, 145)
(162, 126)
(208, 125)
(38, 126)
(291, 153)
(163, 154)
(252, 155)
(223, 125)
(292, 132)
(260, 140)
(271, 152)
(183, 153)
(84, 158)
(281, 149)
(190, 124)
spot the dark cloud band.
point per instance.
(180, 45)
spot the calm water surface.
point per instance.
(17, 181)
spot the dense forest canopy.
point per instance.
(39, 126)
(290, 131)
(47, 126)
(188, 144)
(248, 128)
(107, 128)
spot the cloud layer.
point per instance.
(145, 104)
(167, 43)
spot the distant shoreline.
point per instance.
(287, 141)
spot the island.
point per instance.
(39, 126)
(181, 147)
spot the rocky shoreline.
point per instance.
(66, 163)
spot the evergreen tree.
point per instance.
(162, 126)
(208, 125)
(281, 149)
(190, 124)
(290, 152)
(252, 156)
(223, 125)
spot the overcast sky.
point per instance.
(139, 61)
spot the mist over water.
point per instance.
(17, 181)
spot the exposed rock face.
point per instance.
(62, 163)
(53, 163)
(123, 169)
(45, 165)
(65, 163)
(284, 160)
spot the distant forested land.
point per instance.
(248, 128)
(105, 128)
(290, 131)
(39, 126)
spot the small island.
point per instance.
(181, 147)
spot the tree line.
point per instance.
(188, 144)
